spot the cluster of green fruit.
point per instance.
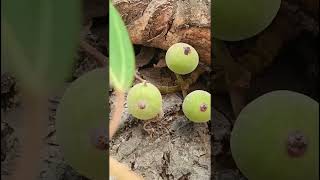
(80, 119)
(145, 100)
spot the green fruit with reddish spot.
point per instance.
(81, 124)
(276, 136)
(197, 106)
(181, 58)
(144, 101)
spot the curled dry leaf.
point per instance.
(144, 57)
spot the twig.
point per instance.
(139, 78)
(237, 78)
(168, 89)
(100, 58)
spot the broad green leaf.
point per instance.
(83, 108)
(121, 53)
(39, 40)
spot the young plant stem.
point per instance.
(34, 113)
(183, 85)
(116, 116)
(34, 128)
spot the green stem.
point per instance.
(182, 84)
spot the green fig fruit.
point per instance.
(276, 136)
(144, 101)
(197, 106)
(181, 58)
(81, 124)
(235, 20)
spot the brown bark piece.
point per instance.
(162, 23)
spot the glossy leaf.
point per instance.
(121, 55)
(39, 40)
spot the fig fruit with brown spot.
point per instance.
(276, 136)
(181, 58)
(81, 124)
(197, 106)
(144, 101)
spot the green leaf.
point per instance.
(39, 40)
(83, 108)
(121, 55)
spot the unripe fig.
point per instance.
(236, 20)
(81, 124)
(197, 106)
(144, 101)
(276, 136)
(182, 58)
